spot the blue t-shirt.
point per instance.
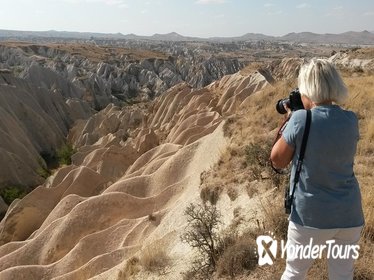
(328, 194)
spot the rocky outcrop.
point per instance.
(358, 60)
(76, 72)
(287, 68)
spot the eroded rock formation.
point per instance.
(104, 75)
(34, 122)
(132, 163)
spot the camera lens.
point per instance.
(280, 105)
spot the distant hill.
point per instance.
(57, 34)
(245, 37)
(351, 37)
(364, 37)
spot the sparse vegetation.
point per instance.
(258, 154)
(257, 158)
(10, 193)
(275, 220)
(202, 235)
(152, 217)
(210, 193)
(42, 170)
(131, 268)
(361, 101)
(64, 154)
(239, 256)
(232, 193)
(155, 258)
(226, 253)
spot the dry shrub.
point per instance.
(369, 137)
(210, 193)
(132, 267)
(228, 126)
(202, 235)
(232, 193)
(257, 159)
(154, 258)
(238, 257)
(258, 153)
(152, 217)
(252, 188)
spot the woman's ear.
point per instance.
(308, 104)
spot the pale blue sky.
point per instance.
(202, 18)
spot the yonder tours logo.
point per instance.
(267, 250)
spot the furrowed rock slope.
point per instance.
(136, 170)
(34, 122)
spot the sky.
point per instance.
(200, 18)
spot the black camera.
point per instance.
(293, 102)
(287, 201)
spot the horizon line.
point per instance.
(179, 34)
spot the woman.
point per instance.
(327, 202)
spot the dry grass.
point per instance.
(251, 132)
(238, 257)
(364, 265)
(154, 258)
(274, 218)
(210, 193)
(362, 102)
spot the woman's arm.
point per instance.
(281, 153)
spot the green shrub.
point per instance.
(64, 154)
(43, 170)
(11, 193)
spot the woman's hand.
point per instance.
(288, 109)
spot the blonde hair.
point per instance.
(320, 82)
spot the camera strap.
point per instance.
(302, 152)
